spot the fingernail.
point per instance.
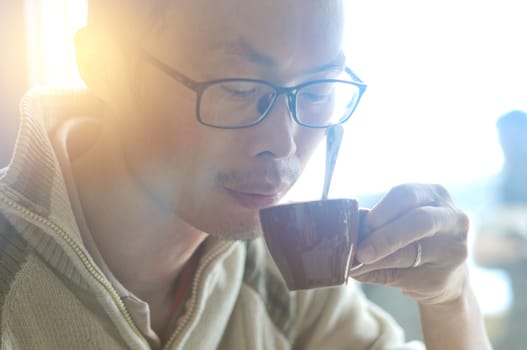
(366, 253)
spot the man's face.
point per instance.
(217, 179)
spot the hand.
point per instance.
(408, 216)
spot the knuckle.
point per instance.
(420, 194)
(425, 220)
(387, 242)
(441, 193)
(458, 253)
(384, 277)
(462, 252)
(463, 222)
(387, 276)
(460, 226)
(406, 192)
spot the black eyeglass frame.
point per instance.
(200, 86)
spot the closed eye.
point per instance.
(315, 97)
(239, 90)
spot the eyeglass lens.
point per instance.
(241, 103)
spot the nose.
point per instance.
(274, 137)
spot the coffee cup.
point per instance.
(312, 243)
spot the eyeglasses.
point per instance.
(242, 103)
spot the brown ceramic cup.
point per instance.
(312, 243)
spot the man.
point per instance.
(130, 212)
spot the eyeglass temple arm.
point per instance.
(169, 71)
(353, 75)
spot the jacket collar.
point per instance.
(34, 179)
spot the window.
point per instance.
(51, 26)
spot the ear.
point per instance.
(103, 66)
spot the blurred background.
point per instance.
(440, 75)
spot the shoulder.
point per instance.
(13, 255)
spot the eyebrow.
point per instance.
(245, 50)
(338, 63)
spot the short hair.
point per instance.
(125, 17)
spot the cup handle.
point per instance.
(363, 212)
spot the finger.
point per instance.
(415, 225)
(403, 258)
(432, 254)
(403, 198)
(421, 281)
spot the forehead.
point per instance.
(280, 34)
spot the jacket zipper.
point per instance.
(194, 293)
(31, 216)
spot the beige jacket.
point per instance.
(53, 295)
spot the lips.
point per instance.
(260, 186)
(253, 198)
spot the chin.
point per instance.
(230, 229)
(223, 221)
